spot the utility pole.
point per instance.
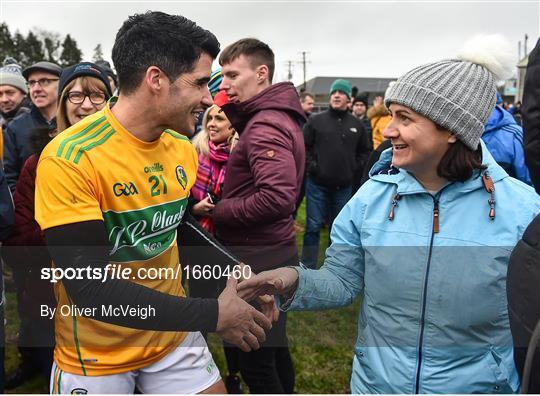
(289, 70)
(519, 51)
(304, 62)
(525, 45)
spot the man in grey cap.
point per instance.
(42, 79)
(13, 91)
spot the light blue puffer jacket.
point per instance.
(434, 311)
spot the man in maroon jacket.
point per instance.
(262, 183)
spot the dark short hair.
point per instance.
(305, 94)
(459, 162)
(362, 99)
(171, 42)
(259, 53)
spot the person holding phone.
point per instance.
(213, 145)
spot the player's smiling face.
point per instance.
(189, 97)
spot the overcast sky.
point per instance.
(342, 38)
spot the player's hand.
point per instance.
(267, 302)
(279, 281)
(238, 322)
(203, 208)
(268, 307)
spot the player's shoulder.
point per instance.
(179, 143)
(70, 144)
(173, 137)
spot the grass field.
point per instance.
(321, 344)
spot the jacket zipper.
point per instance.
(434, 231)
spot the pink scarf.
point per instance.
(211, 176)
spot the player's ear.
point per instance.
(155, 79)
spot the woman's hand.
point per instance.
(266, 302)
(282, 281)
(203, 208)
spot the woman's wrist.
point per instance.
(291, 290)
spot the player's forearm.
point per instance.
(83, 245)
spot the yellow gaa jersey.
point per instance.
(97, 170)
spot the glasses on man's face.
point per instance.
(43, 82)
(77, 97)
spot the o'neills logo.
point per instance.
(157, 167)
(145, 233)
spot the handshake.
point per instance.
(241, 324)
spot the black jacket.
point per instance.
(530, 112)
(24, 107)
(367, 126)
(7, 212)
(523, 283)
(17, 146)
(337, 147)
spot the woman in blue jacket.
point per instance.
(426, 241)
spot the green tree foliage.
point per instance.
(98, 53)
(19, 49)
(7, 46)
(33, 49)
(71, 54)
(38, 45)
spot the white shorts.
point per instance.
(189, 368)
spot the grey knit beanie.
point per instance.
(11, 74)
(457, 94)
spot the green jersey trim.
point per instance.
(54, 379)
(76, 338)
(60, 382)
(89, 147)
(176, 135)
(78, 135)
(84, 139)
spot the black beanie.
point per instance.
(361, 98)
(83, 69)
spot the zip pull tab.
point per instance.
(436, 218)
(488, 182)
(490, 188)
(395, 200)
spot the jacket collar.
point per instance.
(337, 113)
(384, 172)
(36, 114)
(24, 106)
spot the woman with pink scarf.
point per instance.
(213, 144)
